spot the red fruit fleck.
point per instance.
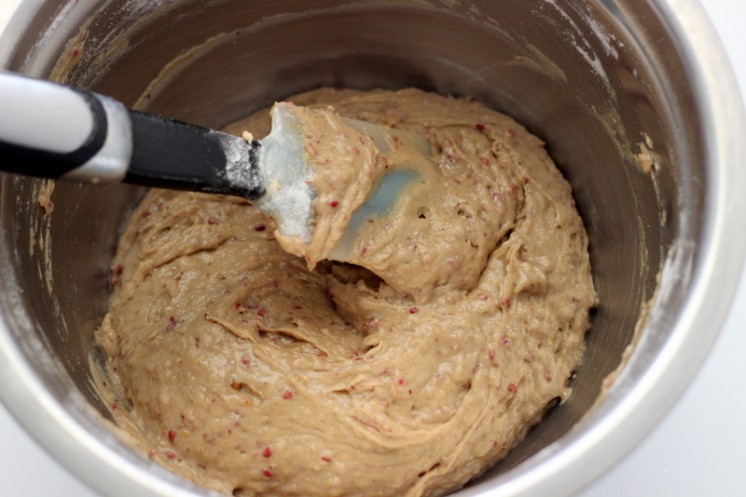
(506, 302)
(245, 361)
(479, 126)
(170, 455)
(326, 458)
(118, 269)
(401, 381)
(512, 387)
(172, 322)
(211, 220)
(511, 133)
(413, 310)
(262, 312)
(267, 452)
(114, 405)
(267, 472)
(485, 161)
(288, 394)
(333, 203)
(259, 227)
(171, 435)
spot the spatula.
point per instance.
(56, 131)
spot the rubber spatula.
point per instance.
(60, 132)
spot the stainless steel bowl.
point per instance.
(594, 79)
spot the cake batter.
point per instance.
(407, 371)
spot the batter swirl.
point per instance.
(408, 372)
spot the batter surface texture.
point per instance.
(407, 372)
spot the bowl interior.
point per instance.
(584, 78)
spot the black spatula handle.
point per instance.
(172, 154)
(56, 131)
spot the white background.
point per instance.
(697, 451)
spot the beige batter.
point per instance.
(408, 372)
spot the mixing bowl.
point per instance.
(635, 100)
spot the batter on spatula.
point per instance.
(409, 370)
